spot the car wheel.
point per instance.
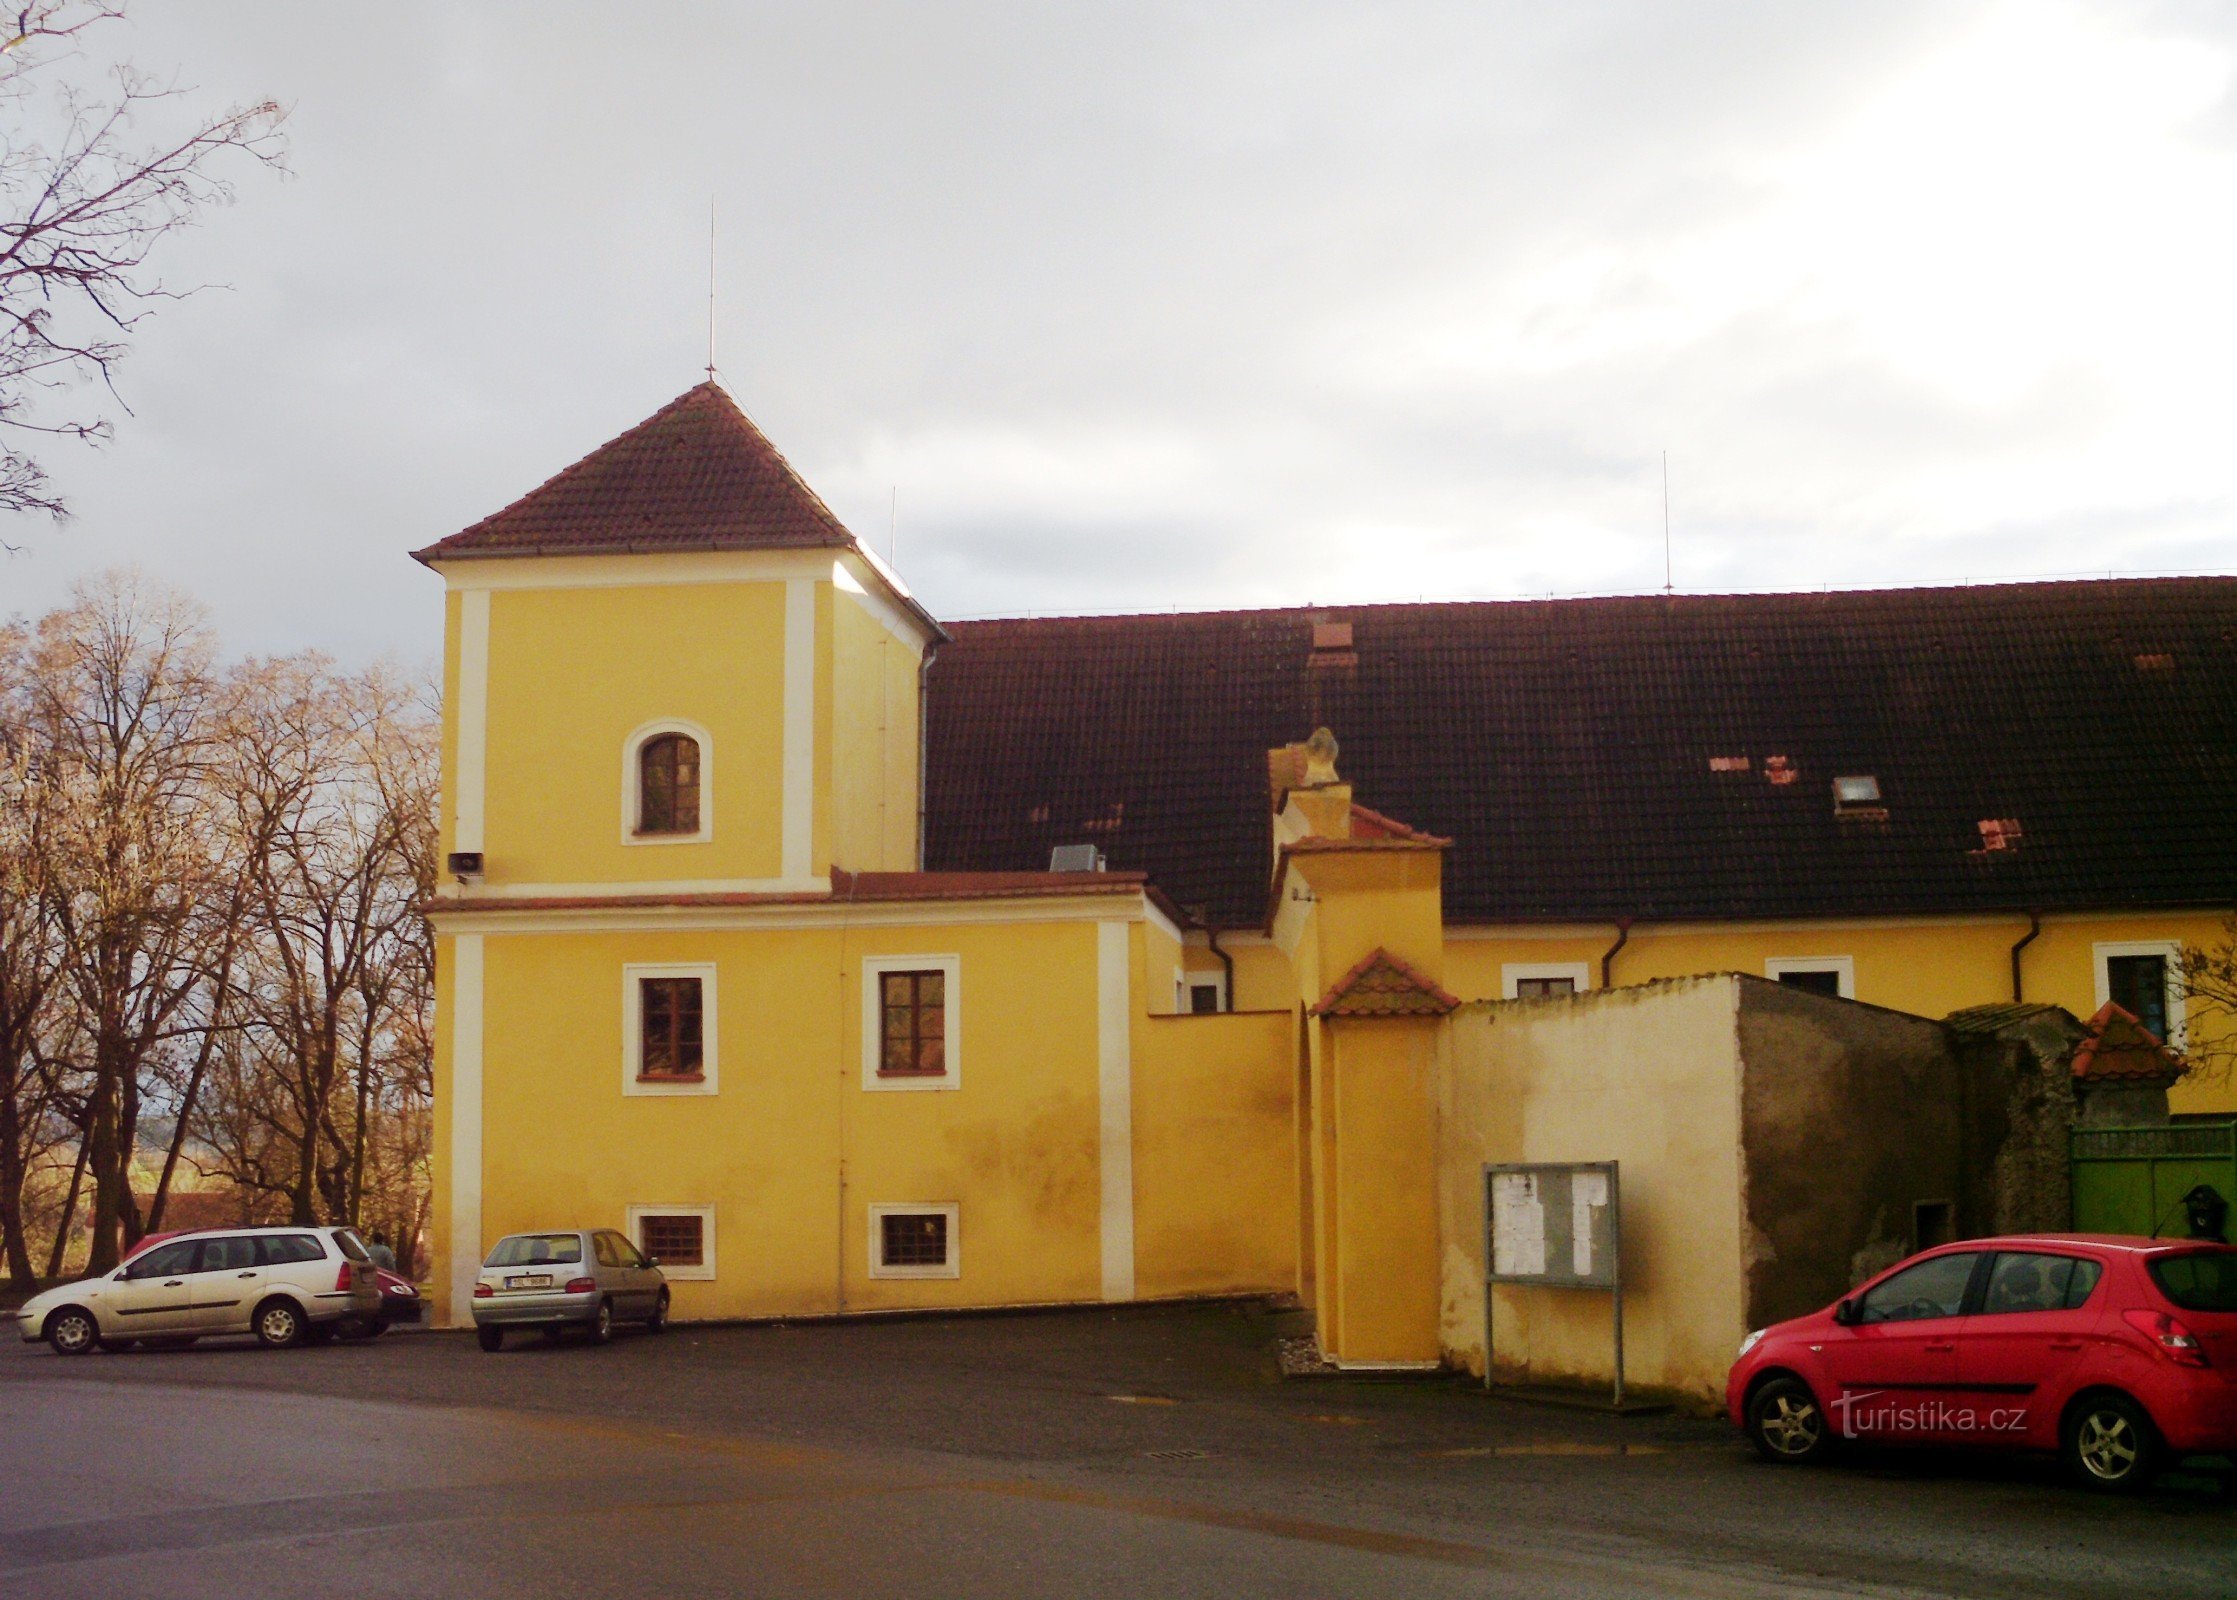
(659, 1318)
(278, 1324)
(491, 1339)
(1786, 1423)
(2109, 1444)
(71, 1332)
(602, 1325)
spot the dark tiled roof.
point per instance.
(695, 475)
(1381, 985)
(1566, 747)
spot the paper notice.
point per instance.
(1518, 1225)
(1588, 1192)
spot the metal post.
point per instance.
(1487, 1279)
(1615, 1270)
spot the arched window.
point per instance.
(668, 784)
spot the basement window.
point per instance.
(914, 1241)
(681, 1238)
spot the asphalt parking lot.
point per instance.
(1131, 1452)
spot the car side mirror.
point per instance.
(1846, 1313)
(652, 1261)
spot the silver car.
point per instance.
(586, 1278)
(285, 1285)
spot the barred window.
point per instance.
(913, 1239)
(913, 1034)
(669, 1011)
(668, 785)
(675, 1240)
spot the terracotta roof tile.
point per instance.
(1382, 985)
(1567, 747)
(2119, 1048)
(695, 475)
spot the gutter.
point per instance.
(1608, 957)
(2034, 927)
(924, 738)
(1211, 935)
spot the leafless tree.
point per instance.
(85, 197)
(2206, 976)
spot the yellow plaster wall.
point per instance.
(573, 672)
(793, 1149)
(1927, 968)
(1380, 1076)
(1215, 1182)
(874, 742)
(1648, 1078)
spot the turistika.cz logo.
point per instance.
(1861, 1417)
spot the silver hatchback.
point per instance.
(588, 1278)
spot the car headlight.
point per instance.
(1752, 1340)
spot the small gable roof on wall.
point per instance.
(2120, 1049)
(1382, 985)
(695, 475)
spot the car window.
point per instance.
(352, 1245)
(536, 1250)
(165, 1260)
(603, 1244)
(287, 1249)
(2027, 1282)
(630, 1255)
(2204, 1280)
(1934, 1288)
(227, 1255)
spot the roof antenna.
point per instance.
(1667, 586)
(710, 288)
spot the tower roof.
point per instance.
(695, 475)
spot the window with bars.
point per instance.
(675, 1239)
(913, 1239)
(668, 784)
(671, 1044)
(913, 1033)
(1543, 988)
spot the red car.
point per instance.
(2119, 1353)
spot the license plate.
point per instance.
(534, 1280)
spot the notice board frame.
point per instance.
(1492, 1171)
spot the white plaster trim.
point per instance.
(466, 1125)
(473, 720)
(849, 582)
(950, 968)
(1114, 1060)
(490, 916)
(1842, 967)
(2177, 1019)
(632, 791)
(1512, 973)
(633, 975)
(799, 818)
(631, 570)
(1798, 926)
(630, 888)
(1160, 921)
(953, 1268)
(705, 1271)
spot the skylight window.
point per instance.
(1856, 791)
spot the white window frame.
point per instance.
(705, 1271)
(633, 1030)
(632, 795)
(953, 1268)
(2100, 958)
(1844, 967)
(1186, 980)
(874, 968)
(1512, 973)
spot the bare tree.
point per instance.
(2206, 976)
(84, 200)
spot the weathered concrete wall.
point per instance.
(2018, 1108)
(1850, 1116)
(1649, 1077)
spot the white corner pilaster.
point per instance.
(1115, 1084)
(799, 818)
(473, 718)
(466, 1125)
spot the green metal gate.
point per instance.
(2132, 1180)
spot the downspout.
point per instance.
(1211, 934)
(924, 739)
(1608, 959)
(2034, 927)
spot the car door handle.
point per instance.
(2066, 1346)
(174, 1283)
(1941, 1349)
(244, 1274)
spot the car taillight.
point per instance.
(344, 1278)
(581, 1285)
(483, 1291)
(2174, 1341)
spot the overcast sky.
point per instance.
(1140, 306)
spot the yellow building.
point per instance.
(748, 944)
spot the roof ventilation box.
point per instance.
(1076, 858)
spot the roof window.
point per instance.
(1851, 793)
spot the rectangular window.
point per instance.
(1827, 975)
(1203, 999)
(910, 1026)
(2141, 978)
(670, 1017)
(681, 1238)
(1539, 980)
(1543, 988)
(913, 1033)
(913, 1241)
